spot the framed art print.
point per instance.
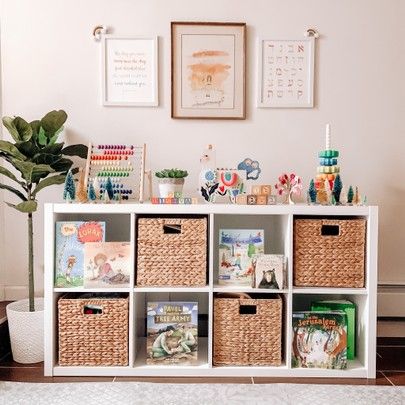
(286, 73)
(208, 70)
(130, 71)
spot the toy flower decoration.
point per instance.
(289, 185)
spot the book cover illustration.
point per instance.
(107, 264)
(172, 333)
(350, 309)
(237, 250)
(269, 271)
(319, 340)
(70, 238)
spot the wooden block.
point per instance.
(154, 200)
(168, 200)
(241, 199)
(251, 199)
(170, 194)
(181, 200)
(177, 194)
(194, 200)
(161, 200)
(187, 200)
(261, 199)
(256, 189)
(173, 201)
(265, 189)
(271, 200)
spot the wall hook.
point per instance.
(99, 31)
(311, 32)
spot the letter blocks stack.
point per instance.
(174, 198)
(259, 195)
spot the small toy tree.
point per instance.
(312, 191)
(81, 194)
(69, 191)
(91, 193)
(350, 195)
(96, 187)
(337, 189)
(109, 189)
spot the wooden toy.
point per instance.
(251, 199)
(172, 200)
(81, 195)
(251, 167)
(123, 164)
(261, 199)
(289, 185)
(256, 189)
(271, 200)
(241, 199)
(265, 189)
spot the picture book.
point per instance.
(70, 238)
(237, 250)
(350, 309)
(172, 333)
(319, 340)
(269, 271)
(107, 264)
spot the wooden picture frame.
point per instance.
(130, 71)
(286, 73)
(208, 70)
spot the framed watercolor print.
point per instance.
(286, 73)
(130, 71)
(208, 70)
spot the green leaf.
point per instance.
(55, 149)
(29, 148)
(7, 173)
(76, 150)
(53, 121)
(30, 171)
(42, 139)
(9, 149)
(62, 165)
(14, 191)
(24, 129)
(46, 158)
(26, 206)
(50, 181)
(8, 122)
(41, 171)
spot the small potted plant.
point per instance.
(171, 182)
(39, 161)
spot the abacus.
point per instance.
(123, 164)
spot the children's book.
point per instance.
(172, 333)
(107, 264)
(237, 251)
(269, 271)
(319, 340)
(350, 309)
(70, 238)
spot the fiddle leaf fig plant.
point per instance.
(39, 161)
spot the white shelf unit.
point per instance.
(277, 221)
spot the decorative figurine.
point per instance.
(252, 168)
(289, 185)
(337, 189)
(91, 193)
(350, 195)
(312, 192)
(69, 191)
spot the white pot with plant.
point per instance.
(39, 161)
(171, 182)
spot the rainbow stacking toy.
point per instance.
(327, 169)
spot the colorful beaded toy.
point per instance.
(120, 167)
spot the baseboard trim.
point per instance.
(391, 301)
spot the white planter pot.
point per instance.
(167, 187)
(26, 331)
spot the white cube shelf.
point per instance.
(277, 220)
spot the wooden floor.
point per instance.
(390, 365)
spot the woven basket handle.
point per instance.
(330, 229)
(241, 296)
(92, 310)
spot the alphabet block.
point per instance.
(256, 189)
(261, 199)
(271, 200)
(265, 189)
(251, 199)
(241, 199)
(194, 200)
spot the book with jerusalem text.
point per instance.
(172, 333)
(70, 239)
(319, 339)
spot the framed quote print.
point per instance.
(208, 70)
(286, 73)
(130, 71)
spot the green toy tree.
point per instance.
(109, 189)
(39, 161)
(350, 195)
(91, 193)
(312, 191)
(337, 188)
(69, 191)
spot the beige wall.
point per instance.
(49, 60)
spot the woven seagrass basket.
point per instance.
(247, 331)
(329, 252)
(93, 339)
(172, 252)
